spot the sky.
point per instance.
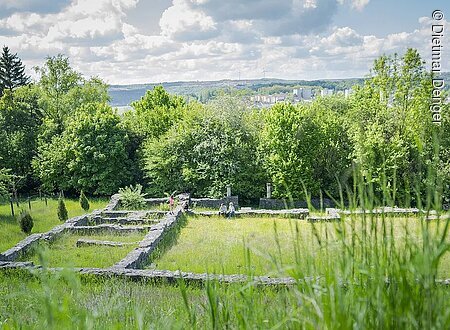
(151, 41)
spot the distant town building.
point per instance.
(302, 94)
(307, 94)
(326, 92)
(267, 100)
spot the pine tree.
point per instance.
(26, 222)
(62, 210)
(84, 202)
(12, 71)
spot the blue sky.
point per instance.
(138, 41)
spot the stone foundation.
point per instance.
(291, 213)
(277, 204)
(139, 256)
(110, 220)
(214, 203)
(91, 242)
(29, 242)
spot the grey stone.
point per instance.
(292, 213)
(107, 228)
(92, 242)
(113, 203)
(214, 202)
(270, 203)
(325, 218)
(20, 248)
(139, 256)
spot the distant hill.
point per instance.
(123, 95)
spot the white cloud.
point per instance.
(182, 22)
(360, 4)
(206, 39)
(356, 4)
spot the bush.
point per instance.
(62, 210)
(93, 154)
(26, 222)
(84, 202)
(132, 198)
(211, 148)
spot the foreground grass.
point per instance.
(44, 216)
(64, 301)
(64, 252)
(283, 247)
(371, 274)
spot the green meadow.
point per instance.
(44, 217)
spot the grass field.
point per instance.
(45, 218)
(64, 301)
(350, 265)
(361, 273)
(279, 246)
(64, 252)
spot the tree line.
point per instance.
(59, 133)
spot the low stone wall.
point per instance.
(20, 248)
(324, 218)
(156, 201)
(26, 244)
(92, 242)
(174, 276)
(99, 220)
(126, 217)
(140, 255)
(383, 210)
(108, 228)
(214, 202)
(290, 213)
(113, 203)
(276, 204)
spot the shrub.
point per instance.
(132, 198)
(62, 210)
(97, 148)
(84, 202)
(26, 222)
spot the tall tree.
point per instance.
(57, 80)
(211, 147)
(64, 90)
(20, 120)
(4, 181)
(12, 71)
(391, 129)
(92, 154)
(305, 147)
(154, 113)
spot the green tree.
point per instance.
(154, 113)
(5, 179)
(57, 80)
(62, 210)
(92, 90)
(391, 130)
(305, 147)
(63, 91)
(20, 121)
(12, 71)
(26, 222)
(211, 148)
(84, 202)
(92, 154)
